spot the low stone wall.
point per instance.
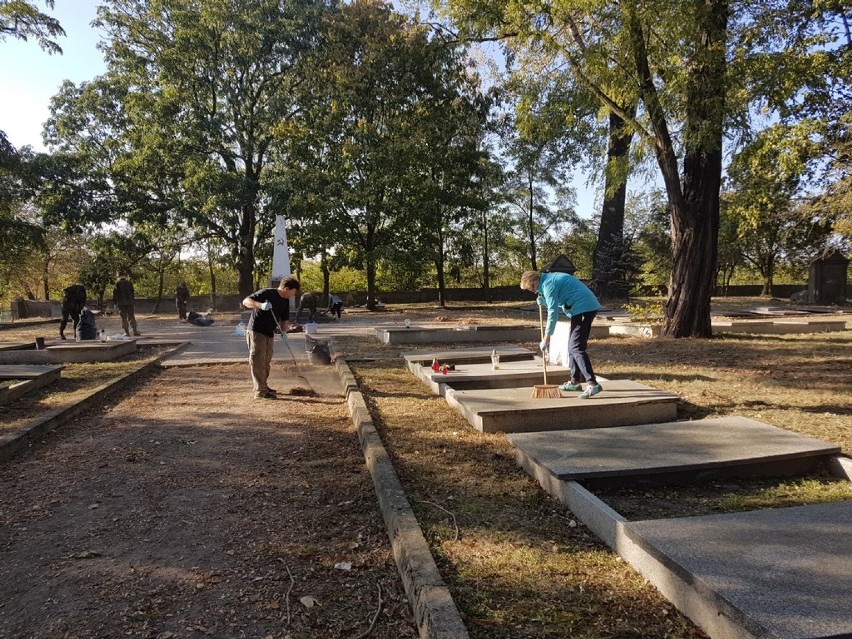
(23, 309)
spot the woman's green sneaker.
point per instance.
(591, 389)
(570, 386)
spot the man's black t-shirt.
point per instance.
(264, 321)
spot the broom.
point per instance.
(296, 390)
(544, 391)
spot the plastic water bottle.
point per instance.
(495, 360)
(103, 335)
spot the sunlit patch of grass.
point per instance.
(734, 495)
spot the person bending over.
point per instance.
(563, 292)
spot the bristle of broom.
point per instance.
(546, 391)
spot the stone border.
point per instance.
(435, 612)
(13, 443)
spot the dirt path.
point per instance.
(187, 509)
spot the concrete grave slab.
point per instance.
(513, 410)
(65, 352)
(635, 329)
(30, 378)
(16, 346)
(459, 334)
(510, 374)
(777, 310)
(679, 452)
(471, 355)
(782, 573)
(780, 327)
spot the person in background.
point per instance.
(124, 299)
(307, 301)
(335, 306)
(73, 301)
(563, 292)
(270, 310)
(181, 300)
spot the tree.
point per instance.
(445, 176)
(609, 260)
(674, 58)
(201, 91)
(766, 177)
(362, 140)
(23, 20)
(678, 74)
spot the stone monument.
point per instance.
(280, 253)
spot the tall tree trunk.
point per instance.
(530, 223)
(212, 275)
(245, 259)
(768, 276)
(694, 203)
(486, 263)
(608, 257)
(371, 281)
(326, 280)
(160, 286)
(695, 218)
(439, 270)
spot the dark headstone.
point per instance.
(827, 279)
(560, 264)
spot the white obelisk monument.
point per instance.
(280, 252)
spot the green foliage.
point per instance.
(342, 280)
(643, 311)
(379, 167)
(771, 225)
(23, 20)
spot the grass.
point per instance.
(517, 562)
(77, 381)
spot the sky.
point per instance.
(30, 77)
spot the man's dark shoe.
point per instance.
(62, 337)
(265, 395)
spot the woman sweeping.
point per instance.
(561, 291)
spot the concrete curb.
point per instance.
(435, 612)
(13, 443)
(841, 467)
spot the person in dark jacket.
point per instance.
(124, 299)
(73, 301)
(307, 301)
(270, 310)
(181, 299)
(335, 306)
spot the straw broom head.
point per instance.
(545, 391)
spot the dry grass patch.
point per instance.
(517, 562)
(77, 381)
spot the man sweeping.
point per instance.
(563, 292)
(270, 309)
